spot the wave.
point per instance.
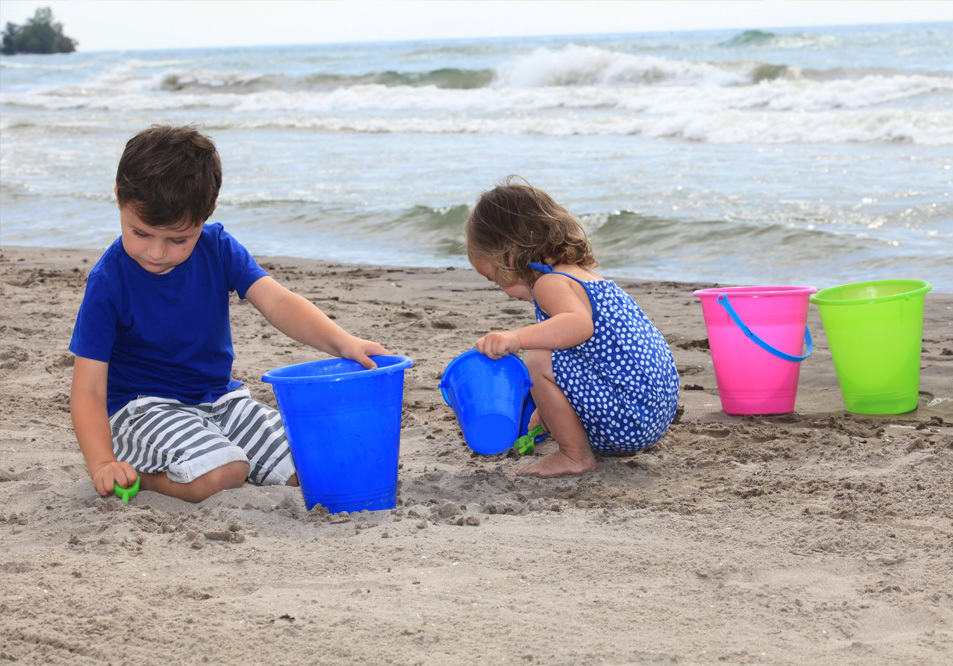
(237, 83)
(717, 249)
(590, 66)
(437, 228)
(772, 93)
(570, 67)
(765, 39)
(727, 127)
(632, 244)
(575, 65)
(751, 37)
(621, 237)
(933, 129)
(572, 90)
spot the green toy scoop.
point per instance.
(126, 494)
(526, 444)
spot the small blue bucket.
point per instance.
(343, 426)
(488, 397)
(529, 406)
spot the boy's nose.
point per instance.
(156, 251)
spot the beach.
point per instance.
(813, 537)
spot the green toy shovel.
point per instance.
(526, 444)
(126, 494)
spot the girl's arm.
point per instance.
(300, 319)
(569, 323)
(91, 423)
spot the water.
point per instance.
(799, 156)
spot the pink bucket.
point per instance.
(755, 335)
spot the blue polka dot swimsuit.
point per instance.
(622, 381)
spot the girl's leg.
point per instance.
(574, 455)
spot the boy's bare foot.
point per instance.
(558, 463)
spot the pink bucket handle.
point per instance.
(723, 302)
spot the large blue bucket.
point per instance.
(488, 397)
(343, 425)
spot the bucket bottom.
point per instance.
(881, 403)
(756, 402)
(489, 434)
(380, 500)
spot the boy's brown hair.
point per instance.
(516, 223)
(170, 176)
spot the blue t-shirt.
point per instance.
(165, 335)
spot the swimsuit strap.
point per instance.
(546, 269)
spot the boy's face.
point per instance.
(157, 249)
(519, 291)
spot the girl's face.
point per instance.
(519, 290)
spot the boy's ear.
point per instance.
(116, 193)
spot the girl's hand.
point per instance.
(536, 420)
(111, 473)
(498, 345)
(360, 350)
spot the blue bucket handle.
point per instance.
(723, 302)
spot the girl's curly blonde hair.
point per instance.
(516, 223)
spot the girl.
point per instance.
(603, 376)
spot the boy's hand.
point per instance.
(360, 350)
(498, 345)
(112, 473)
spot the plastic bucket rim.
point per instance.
(467, 354)
(758, 291)
(402, 364)
(923, 288)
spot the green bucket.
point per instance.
(875, 331)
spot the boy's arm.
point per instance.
(91, 423)
(569, 324)
(300, 319)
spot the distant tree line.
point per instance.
(40, 35)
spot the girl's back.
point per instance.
(626, 357)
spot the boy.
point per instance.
(152, 390)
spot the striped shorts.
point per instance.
(187, 441)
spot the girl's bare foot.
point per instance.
(558, 463)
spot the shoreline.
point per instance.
(816, 536)
(62, 254)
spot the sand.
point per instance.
(812, 537)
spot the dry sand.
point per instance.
(814, 537)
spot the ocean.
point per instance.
(813, 156)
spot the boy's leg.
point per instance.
(176, 450)
(574, 455)
(256, 429)
(229, 475)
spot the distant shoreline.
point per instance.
(732, 31)
(66, 256)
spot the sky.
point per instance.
(101, 25)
